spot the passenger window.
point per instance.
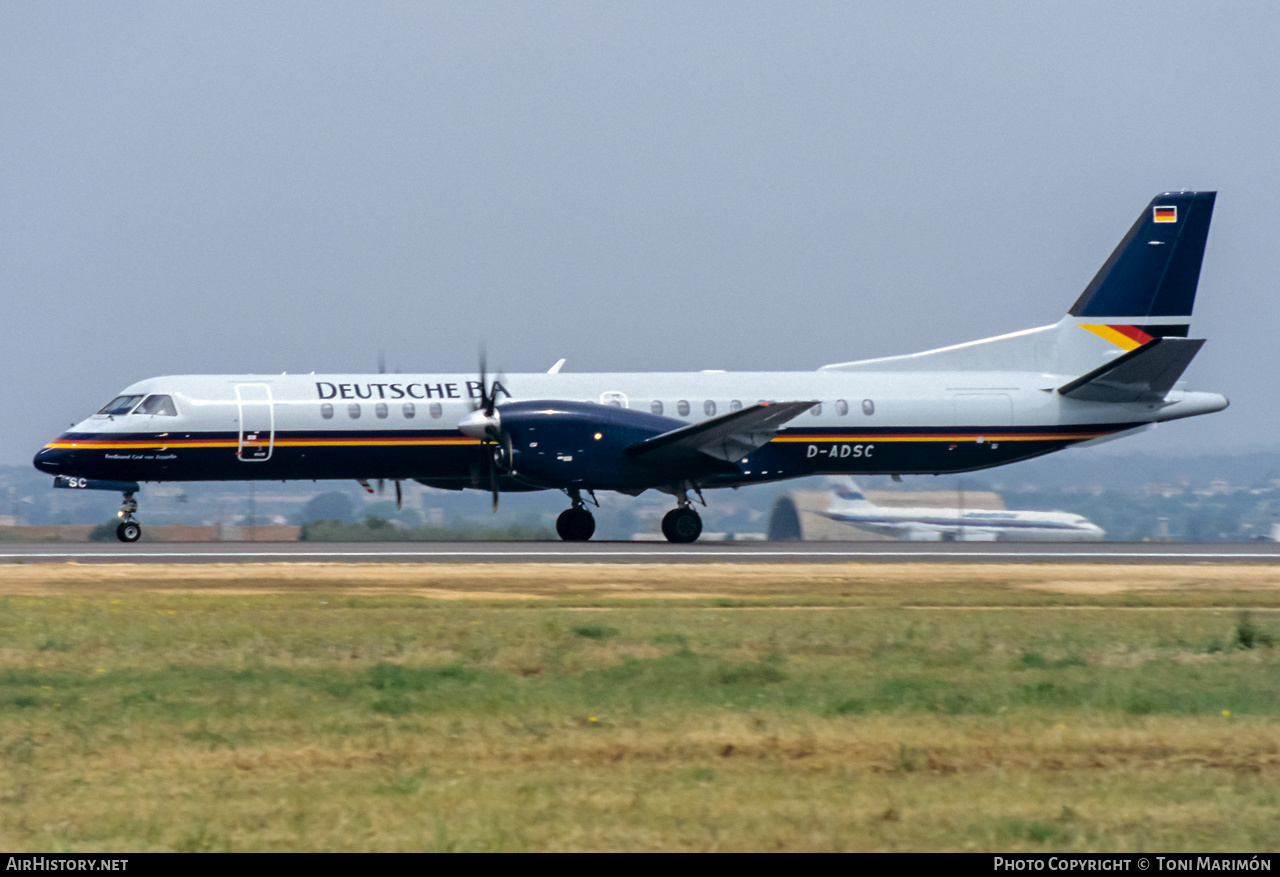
(380, 410)
(816, 409)
(409, 411)
(842, 407)
(326, 411)
(868, 407)
(655, 406)
(735, 405)
(161, 405)
(709, 407)
(121, 405)
(435, 410)
(682, 408)
(353, 410)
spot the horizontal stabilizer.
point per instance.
(729, 437)
(1145, 374)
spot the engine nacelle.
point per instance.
(558, 444)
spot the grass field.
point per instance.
(639, 707)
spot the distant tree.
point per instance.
(408, 518)
(332, 506)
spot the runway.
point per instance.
(642, 552)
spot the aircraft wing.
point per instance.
(1144, 374)
(729, 437)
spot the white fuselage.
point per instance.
(406, 426)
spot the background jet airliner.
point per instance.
(850, 506)
(1109, 367)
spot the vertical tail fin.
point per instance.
(847, 494)
(1151, 277)
(1146, 290)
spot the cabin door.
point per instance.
(257, 420)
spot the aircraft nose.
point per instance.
(51, 459)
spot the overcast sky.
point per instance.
(268, 187)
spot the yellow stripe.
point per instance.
(1116, 338)
(973, 436)
(357, 443)
(381, 443)
(137, 446)
(292, 443)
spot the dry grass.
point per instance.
(893, 584)
(638, 707)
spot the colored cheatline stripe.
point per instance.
(1128, 337)
(948, 437)
(89, 444)
(377, 443)
(442, 441)
(155, 444)
(1166, 214)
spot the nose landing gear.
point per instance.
(576, 524)
(129, 530)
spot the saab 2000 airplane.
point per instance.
(1108, 368)
(850, 506)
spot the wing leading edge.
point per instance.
(729, 437)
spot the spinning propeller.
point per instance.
(485, 424)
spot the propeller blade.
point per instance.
(399, 497)
(485, 428)
(484, 383)
(493, 387)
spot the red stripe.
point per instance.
(1133, 333)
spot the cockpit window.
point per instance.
(121, 405)
(162, 405)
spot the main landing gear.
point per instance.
(576, 524)
(682, 524)
(129, 529)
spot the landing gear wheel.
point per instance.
(682, 525)
(128, 531)
(575, 525)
